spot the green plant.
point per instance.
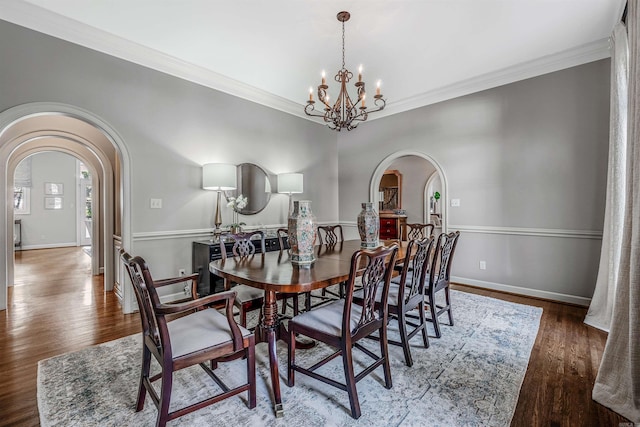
(436, 195)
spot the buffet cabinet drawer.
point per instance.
(388, 228)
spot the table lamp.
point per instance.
(218, 177)
(290, 183)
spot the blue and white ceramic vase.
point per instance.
(369, 226)
(302, 233)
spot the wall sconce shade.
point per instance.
(290, 183)
(219, 177)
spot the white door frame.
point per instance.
(12, 150)
(387, 161)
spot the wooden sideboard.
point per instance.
(204, 252)
(392, 226)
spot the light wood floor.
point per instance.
(57, 307)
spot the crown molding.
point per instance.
(584, 54)
(44, 21)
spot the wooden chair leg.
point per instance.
(423, 322)
(291, 359)
(165, 397)
(384, 352)
(307, 301)
(448, 301)
(144, 374)
(434, 314)
(349, 374)
(243, 317)
(296, 305)
(404, 340)
(251, 373)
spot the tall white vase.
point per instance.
(369, 226)
(302, 233)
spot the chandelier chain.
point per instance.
(343, 66)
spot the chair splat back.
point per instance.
(330, 234)
(419, 231)
(445, 247)
(147, 298)
(244, 244)
(374, 274)
(419, 265)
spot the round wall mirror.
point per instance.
(254, 184)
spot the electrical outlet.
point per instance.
(483, 265)
(182, 272)
(155, 203)
(455, 203)
(187, 290)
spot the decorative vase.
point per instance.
(369, 226)
(302, 233)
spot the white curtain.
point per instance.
(618, 382)
(601, 308)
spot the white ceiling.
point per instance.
(271, 52)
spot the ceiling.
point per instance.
(271, 52)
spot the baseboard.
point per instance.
(536, 293)
(49, 246)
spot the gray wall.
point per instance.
(48, 227)
(525, 156)
(171, 127)
(528, 157)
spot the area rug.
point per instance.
(469, 377)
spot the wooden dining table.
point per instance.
(273, 273)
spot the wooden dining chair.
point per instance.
(417, 231)
(406, 293)
(440, 279)
(331, 235)
(196, 335)
(247, 298)
(342, 323)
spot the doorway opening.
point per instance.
(422, 178)
(38, 127)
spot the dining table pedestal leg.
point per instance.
(269, 331)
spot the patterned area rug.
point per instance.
(469, 377)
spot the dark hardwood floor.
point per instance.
(57, 307)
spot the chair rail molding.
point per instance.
(538, 232)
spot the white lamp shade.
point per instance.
(219, 176)
(290, 183)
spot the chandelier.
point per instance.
(344, 113)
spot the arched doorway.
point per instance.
(31, 128)
(387, 161)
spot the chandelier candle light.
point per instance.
(344, 113)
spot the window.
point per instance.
(21, 200)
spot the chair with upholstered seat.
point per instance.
(196, 335)
(417, 231)
(440, 279)
(342, 323)
(406, 294)
(331, 235)
(247, 298)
